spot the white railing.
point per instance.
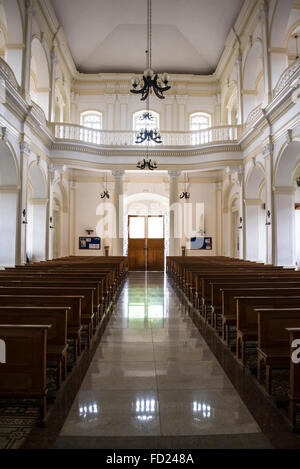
(87, 135)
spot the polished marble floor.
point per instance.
(154, 375)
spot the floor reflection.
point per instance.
(154, 374)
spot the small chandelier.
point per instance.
(185, 194)
(146, 164)
(148, 134)
(150, 80)
(105, 193)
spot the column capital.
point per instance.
(123, 98)
(110, 98)
(174, 174)
(268, 149)
(284, 190)
(73, 185)
(118, 174)
(3, 133)
(25, 148)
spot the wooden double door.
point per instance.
(146, 242)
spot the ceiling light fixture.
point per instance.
(105, 193)
(146, 164)
(148, 134)
(150, 80)
(185, 194)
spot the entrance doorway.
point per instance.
(146, 240)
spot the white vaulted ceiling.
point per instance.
(110, 35)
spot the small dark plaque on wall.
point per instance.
(201, 243)
(89, 243)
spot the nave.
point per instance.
(153, 376)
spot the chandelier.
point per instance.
(148, 134)
(146, 164)
(105, 193)
(185, 194)
(150, 80)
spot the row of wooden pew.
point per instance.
(248, 304)
(50, 312)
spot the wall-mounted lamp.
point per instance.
(268, 219)
(51, 223)
(24, 221)
(89, 231)
(298, 181)
(241, 224)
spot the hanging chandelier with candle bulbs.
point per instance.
(146, 163)
(150, 81)
(105, 193)
(185, 194)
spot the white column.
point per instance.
(169, 106)
(181, 101)
(252, 207)
(49, 212)
(175, 222)
(54, 62)
(263, 18)
(219, 203)
(268, 160)
(123, 123)
(119, 212)
(110, 115)
(242, 232)
(238, 65)
(284, 212)
(72, 218)
(29, 15)
(25, 151)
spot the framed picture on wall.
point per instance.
(201, 243)
(89, 243)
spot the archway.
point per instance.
(253, 87)
(284, 203)
(39, 76)
(37, 214)
(9, 194)
(15, 39)
(254, 206)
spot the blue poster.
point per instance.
(89, 243)
(201, 243)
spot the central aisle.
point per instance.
(154, 375)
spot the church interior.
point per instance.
(149, 224)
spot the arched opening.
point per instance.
(253, 86)
(9, 194)
(39, 76)
(59, 232)
(37, 215)
(284, 203)
(255, 215)
(15, 39)
(229, 108)
(293, 43)
(62, 106)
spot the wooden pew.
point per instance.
(273, 340)
(229, 315)
(247, 321)
(294, 394)
(24, 373)
(74, 314)
(87, 313)
(57, 345)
